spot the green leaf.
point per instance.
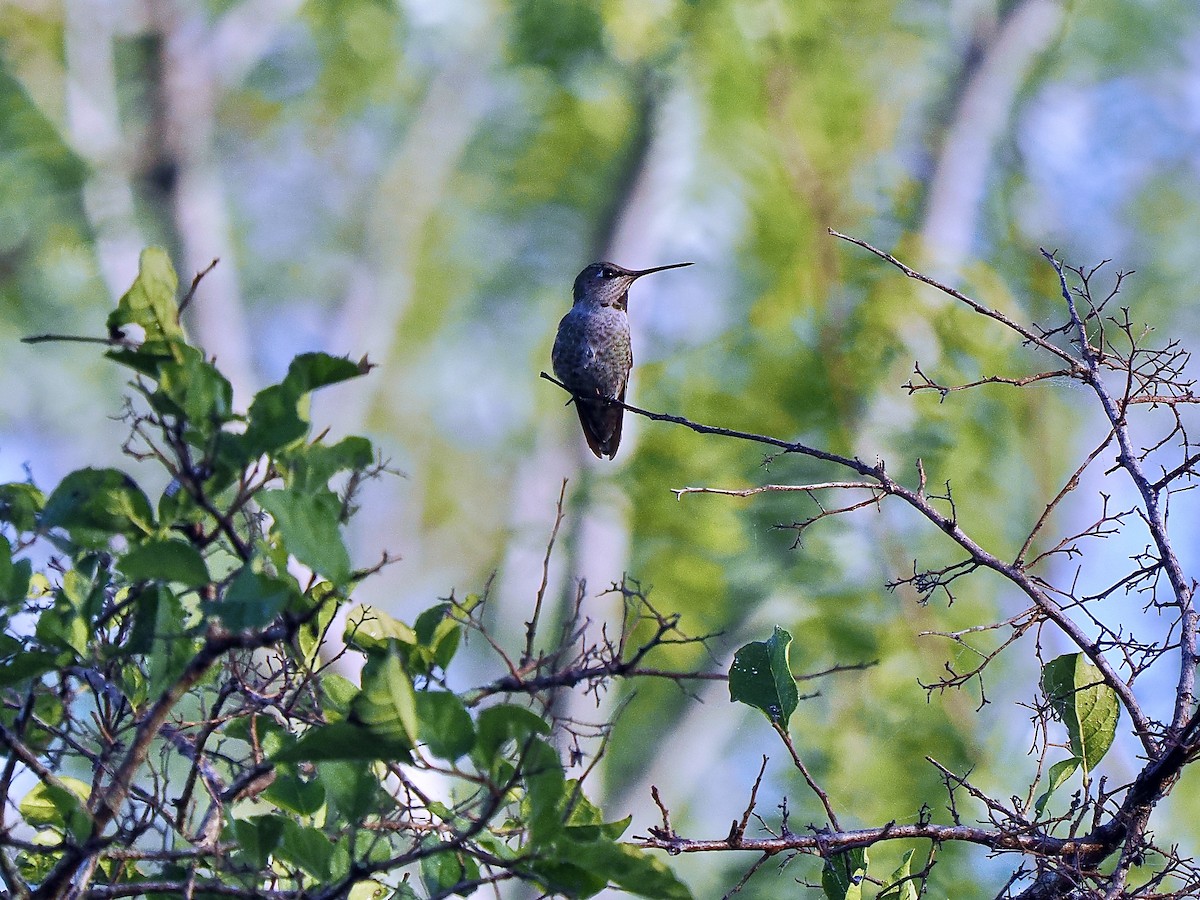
(901, 886)
(173, 646)
(1058, 775)
(59, 806)
(291, 792)
(258, 836)
(14, 576)
(562, 876)
(142, 606)
(63, 626)
(440, 631)
(584, 868)
(150, 302)
(310, 371)
(252, 599)
(309, 527)
(165, 560)
(275, 421)
(313, 466)
(20, 504)
(545, 793)
(92, 505)
(275, 416)
(497, 725)
(444, 725)
(843, 873)
(369, 629)
(352, 789)
(25, 665)
(199, 392)
(342, 741)
(41, 728)
(307, 848)
(761, 677)
(339, 693)
(442, 871)
(373, 890)
(313, 632)
(630, 868)
(387, 703)
(1084, 703)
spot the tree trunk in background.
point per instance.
(979, 121)
(189, 91)
(95, 134)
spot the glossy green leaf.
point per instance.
(62, 626)
(252, 599)
(441, 872)
(315, 630)
(1058, 775)
(635, 871)
(276, 419)
(60, 806)
(39, 730)
(173, 646)
(901, 886)
(258, 836)
(309, 371)
(142, 605)
(761, 677)
(343, 741)
(309, 526)
(563, 876)
(14, 576)
(165, 560)
(374, 890)
(25, 665)
(1087, 706)
(843, 873)
(444, 725)
(369, 629)
(352, 788)
(387, 703)
(293, 793)
(439, 631)
(307, 848)
(93, 505)
(151, 302)
(497, 725)
(339, 693)
(20, 504)
(198, 391)
(313, 466)
(545, 795)
(583, 868)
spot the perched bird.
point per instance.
(592, 355)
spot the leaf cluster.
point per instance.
(173, 713)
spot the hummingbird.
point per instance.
(592, 354)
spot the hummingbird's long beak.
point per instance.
(639, 273)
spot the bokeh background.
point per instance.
(420, 181)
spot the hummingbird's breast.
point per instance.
(592, 355)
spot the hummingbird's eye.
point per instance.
(606, 272)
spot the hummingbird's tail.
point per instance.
(601, 423)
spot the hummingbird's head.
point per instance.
(607, 284)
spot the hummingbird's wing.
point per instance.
(601, 423)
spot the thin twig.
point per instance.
(532, 625)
